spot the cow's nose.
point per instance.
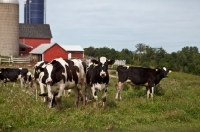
(103, 74)
(48, 81)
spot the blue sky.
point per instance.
(118, 24)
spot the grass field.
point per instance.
(175, 107)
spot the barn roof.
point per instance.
(72, 47)
(34, 30)
(22, 45)
(42, 48)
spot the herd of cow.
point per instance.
(84, 79)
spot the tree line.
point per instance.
(186, 60)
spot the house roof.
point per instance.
(22, 45)
(34, 30)
(42, 48)
(72, 47)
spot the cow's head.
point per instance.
(102, 65)
(163, 72)
(38, 68)
(53, 73)
(28, 79)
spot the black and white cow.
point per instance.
(28, 80)
(13, 74)
(139, 76)
(38, 73)
(68, 74)
(98, 78)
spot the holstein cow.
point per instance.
(28, 80)
(98, 78)
(38, 73)
(13, 74)
(68, 74)
(139, 76)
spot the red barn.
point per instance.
(48, 52)
(74, 51)
(32, 35)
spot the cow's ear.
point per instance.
(94, 61)
(111, 62)
(94, 64)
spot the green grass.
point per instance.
(175, 107)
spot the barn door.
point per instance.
(69, 56)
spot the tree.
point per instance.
(140, 48)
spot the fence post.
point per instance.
(11, 59)
(0, 60)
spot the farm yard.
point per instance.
(175, 107)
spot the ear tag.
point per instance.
(170, 71)
(156, 69)
(38, 70)
(94, 64)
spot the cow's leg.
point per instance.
(42, 92)
(104, 96)
(88, 93)
(94, 93)
(64, 92)
(151, 92)
(22, 82)
(82, 88)
(35, 86)
(50, 96)
(58, 101)
(148, 92)
(59, 96)
(5, 81)
(119, 87)
(76, 93)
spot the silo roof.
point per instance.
(10, 1)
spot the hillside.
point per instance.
(175, 107)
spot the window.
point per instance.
(23, 49)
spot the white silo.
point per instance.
(9, 27)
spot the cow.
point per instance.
(139, 76)
(68, 74)
(13, 74)
(28, 79)
(98, 78)
(38, 73)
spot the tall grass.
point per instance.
(175, 107)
